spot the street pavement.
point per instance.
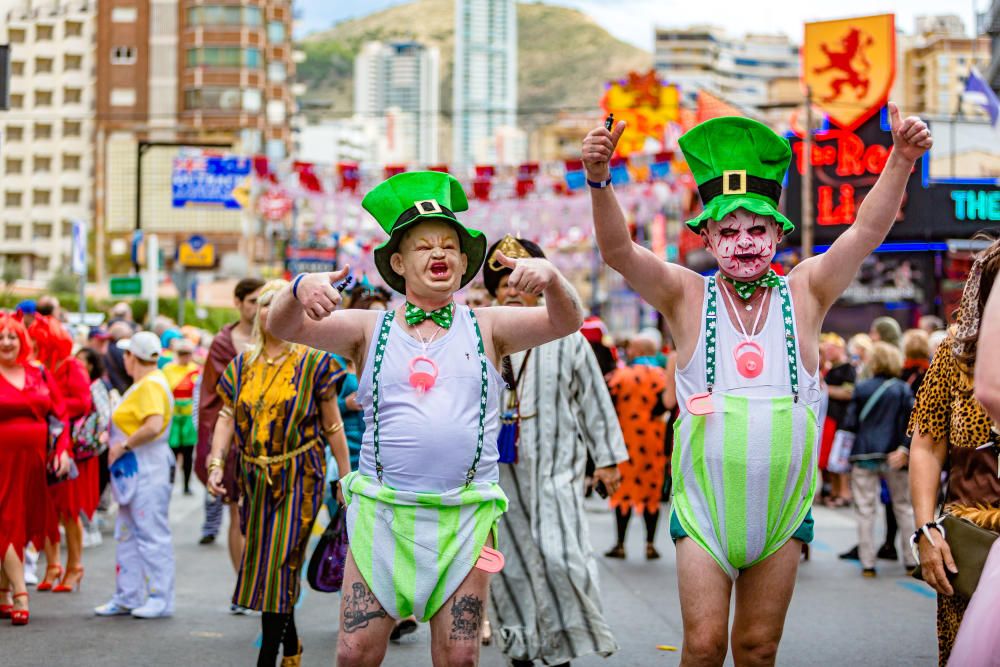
(836, 616)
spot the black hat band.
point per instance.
(423, 208)
(739, 183)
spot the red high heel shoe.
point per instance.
(63, 587)
(20, 616)
(5, 609)
(45, 584)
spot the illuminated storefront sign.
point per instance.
(976, 205)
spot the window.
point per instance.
(275, 111)
(43, 165)
(13, 165)
(276, 71)
(15, 133)
(17, 68)
(43, 65)
(222, 99)
(124, 14)
(67, 228)
(43, 33)
(72, 96)
(70, 162)
(12, 199)
(16, 35)
(72, 63)
(41, 197)
(43, 98)
(71, 195)
(16, 100)
(72, 128)
(252, 100)
(223, 56)
(74, 28)
(276, 31)
(224, 15)
(275, 149)
(12, 232)
(41, 230)
(43, 131)
(123, 97)
(123, 55)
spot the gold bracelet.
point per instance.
(330, 430)
(216, 463)
(226, 411)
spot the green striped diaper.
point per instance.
(415, 549)
(744, 476)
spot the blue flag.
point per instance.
(978, 90)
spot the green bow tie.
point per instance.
(746, 290)
(443, 317)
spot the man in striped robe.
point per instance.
(546, 599)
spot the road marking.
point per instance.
(920, 589)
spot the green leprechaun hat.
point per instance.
(737, 163)
(411, 197)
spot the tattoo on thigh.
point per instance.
(360, 606)
(466, 618)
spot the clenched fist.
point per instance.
(598, 148)
(318, 294)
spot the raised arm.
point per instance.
(988, 352)
(658, 282)
(516, 329)
(829, 274)
(306, 315)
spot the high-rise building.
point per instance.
(484, 95)
(936, 62)
(740, 70)
(48, 134)
(175, 73)
(397, 86)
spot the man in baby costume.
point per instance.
(423, 505)
(744, 465)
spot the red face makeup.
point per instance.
(743, 243)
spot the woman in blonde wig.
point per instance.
(279, 411)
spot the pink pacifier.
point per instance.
(422, 380)
(490, 560)
(700, 404)
(749, 359)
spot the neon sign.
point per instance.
(976, 205)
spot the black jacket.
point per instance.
(884, 428)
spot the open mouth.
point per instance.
(439, 269)
(746, 257)
(513, 302)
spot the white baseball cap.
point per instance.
(143, 345)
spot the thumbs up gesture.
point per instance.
(318, 292)
(531, 275)
(598, 148)
(911, 137)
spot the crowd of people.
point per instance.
(456, 442)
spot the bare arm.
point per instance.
(516, 329)
(225, 429)
(310, 319)
(843, 392)
(829, 274)
(330, 414)
(660, 283)
(927, 458)
(987, 377)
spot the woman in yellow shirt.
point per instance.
(141, 473)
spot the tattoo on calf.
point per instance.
(466, 618)
(360, 606)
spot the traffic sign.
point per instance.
(196, 253)
(126, 285)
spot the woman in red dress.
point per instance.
(28, 397)
(53, 349)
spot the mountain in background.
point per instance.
(564, 57)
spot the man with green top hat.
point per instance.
(424, 503)
(747, 382)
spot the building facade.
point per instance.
(936, 61)
(47, 154)
(397, 87)
(484, 97)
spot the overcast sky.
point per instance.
(633, 20)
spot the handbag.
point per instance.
(326, 566)
(510, 419)
(970, 547)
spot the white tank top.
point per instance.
(773, 381)
(427, 442)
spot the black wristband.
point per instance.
(295, 285)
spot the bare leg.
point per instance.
(235, 536)
(52, 566)
(705, 591)
(74, 544)
(364, 624)
(763, 593)
(13, 570)
(456, 629)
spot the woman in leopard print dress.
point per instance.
(948, 425)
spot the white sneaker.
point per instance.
(112, 608)
(92, 536)
(154, 608)
(31, 567)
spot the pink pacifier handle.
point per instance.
(749, 368)
(422, 380)
(490, 560)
